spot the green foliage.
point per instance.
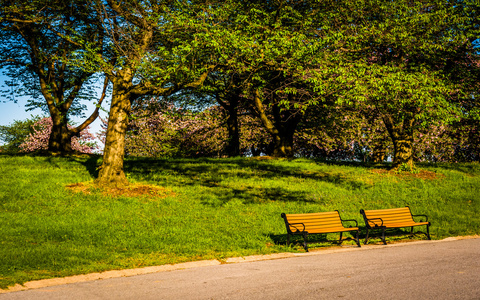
(35, 54)
(410, 63)
(397, 61)
(14, 135)
(212, 208)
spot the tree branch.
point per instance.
(263, 115)
(95, 114)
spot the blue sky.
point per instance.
(10, 111)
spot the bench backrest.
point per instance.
(388, 216)
(313, 221)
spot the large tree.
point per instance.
(411, 61)
(148, 54)
(269, 47)
(35, 52)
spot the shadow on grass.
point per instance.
(467, 168)
(257, 195)
(216, 174)
(297, 240)
(91, 164)
(281, 239)
(392, 235)
(358, 164)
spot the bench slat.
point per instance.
(331, 230)
(389, 216)
(406, 224)
(317, 223)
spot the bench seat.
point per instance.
(383, 219)
(317, 223)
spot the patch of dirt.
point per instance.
(79, 188)
(131, 190)
(422, 174)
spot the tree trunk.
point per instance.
(282, 129)
(282, 145)
(124, 92)
(60, 140)
(378, 154)
(402, 139)
(111, 172)
(403, 147)
(233, 142)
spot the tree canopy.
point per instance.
(364, 78)
(36, 53)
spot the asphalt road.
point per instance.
(425, 270)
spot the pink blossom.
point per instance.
(38, 140)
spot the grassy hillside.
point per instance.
(53, 223)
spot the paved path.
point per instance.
(420, 270)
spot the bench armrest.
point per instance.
(426, 218)
(292, 224)
(356, 223)
(367, 220)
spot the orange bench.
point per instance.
(317, 223)
(383, 219)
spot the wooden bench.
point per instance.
(383, 219)
(317, 223)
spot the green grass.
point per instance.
(215, 208)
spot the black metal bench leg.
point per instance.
(305, 241)
(340, 240)
(428, 232)
(383, 236)
(366, 238)
(357, 240)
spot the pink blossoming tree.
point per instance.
(38, 140)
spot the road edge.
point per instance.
(36, 284)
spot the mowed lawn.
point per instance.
(54, 223)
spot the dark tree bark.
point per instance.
(281, 129)
(231, 109)
(60, 139)
(378, 154)
(401, 134)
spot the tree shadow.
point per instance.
(466, 168)
(213, 173)
(297, 240)
(391, 235)
(250, 195)
(360, 164)
(216, 167)
(90, 164)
